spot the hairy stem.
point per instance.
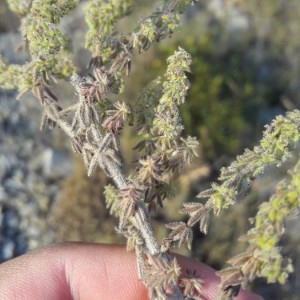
(142, 223)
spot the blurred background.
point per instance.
(245, 71)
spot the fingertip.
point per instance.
(72, 271)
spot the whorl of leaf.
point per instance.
(149, 172)
(161, 274)
(181, 232)
(191, 284)
(130, 200)
(117, 117)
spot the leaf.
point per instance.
(191, 208)
(241, 258)
(203, 224)
(93, 164)
(206, 194)
(231, 276)
(181, 233)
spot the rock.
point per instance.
(25, 191)
(10, 220)
(56, 164)
(52, 163)
(7, 248)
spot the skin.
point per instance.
(86, 272)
